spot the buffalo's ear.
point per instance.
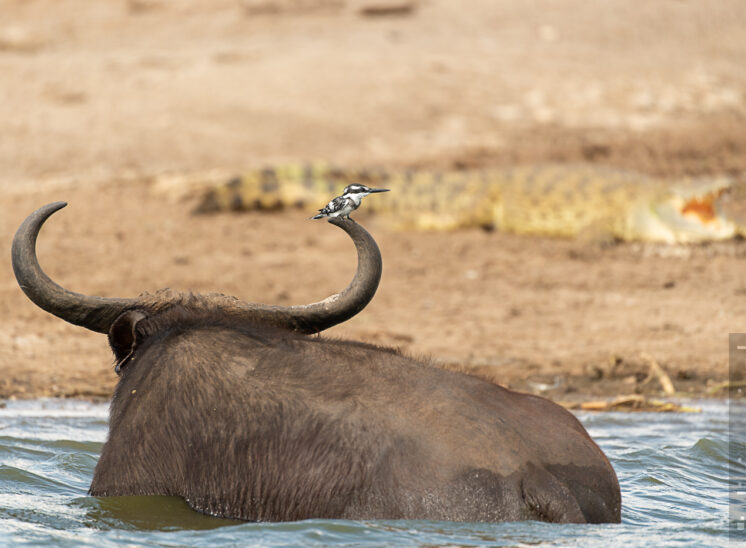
(123, 337)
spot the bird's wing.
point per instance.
(335, 204)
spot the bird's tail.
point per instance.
(318, 216)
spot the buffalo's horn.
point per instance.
(98, 313)
(94, 313)
(315, 317)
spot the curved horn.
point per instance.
(315, 317)
(98, 313)
(94, 313)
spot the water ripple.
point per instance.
(673, 469)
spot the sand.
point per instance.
(101, 101)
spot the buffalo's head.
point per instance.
(128, 321)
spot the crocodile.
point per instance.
(548, 200)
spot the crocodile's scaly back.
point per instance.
(568, 200)
(558, 200)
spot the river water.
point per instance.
(674, 470)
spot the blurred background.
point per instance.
(103, 100)
(97, 90)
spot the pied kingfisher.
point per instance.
(349, 201)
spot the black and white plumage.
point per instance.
(349, 201)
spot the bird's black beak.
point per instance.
(374, 190)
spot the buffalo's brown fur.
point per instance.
(224, 403)
(259, 423)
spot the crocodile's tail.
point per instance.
(422, 200)
(291, 185)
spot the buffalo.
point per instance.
(235, 408)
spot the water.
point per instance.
(673, 469)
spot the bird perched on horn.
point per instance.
(349, 201)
